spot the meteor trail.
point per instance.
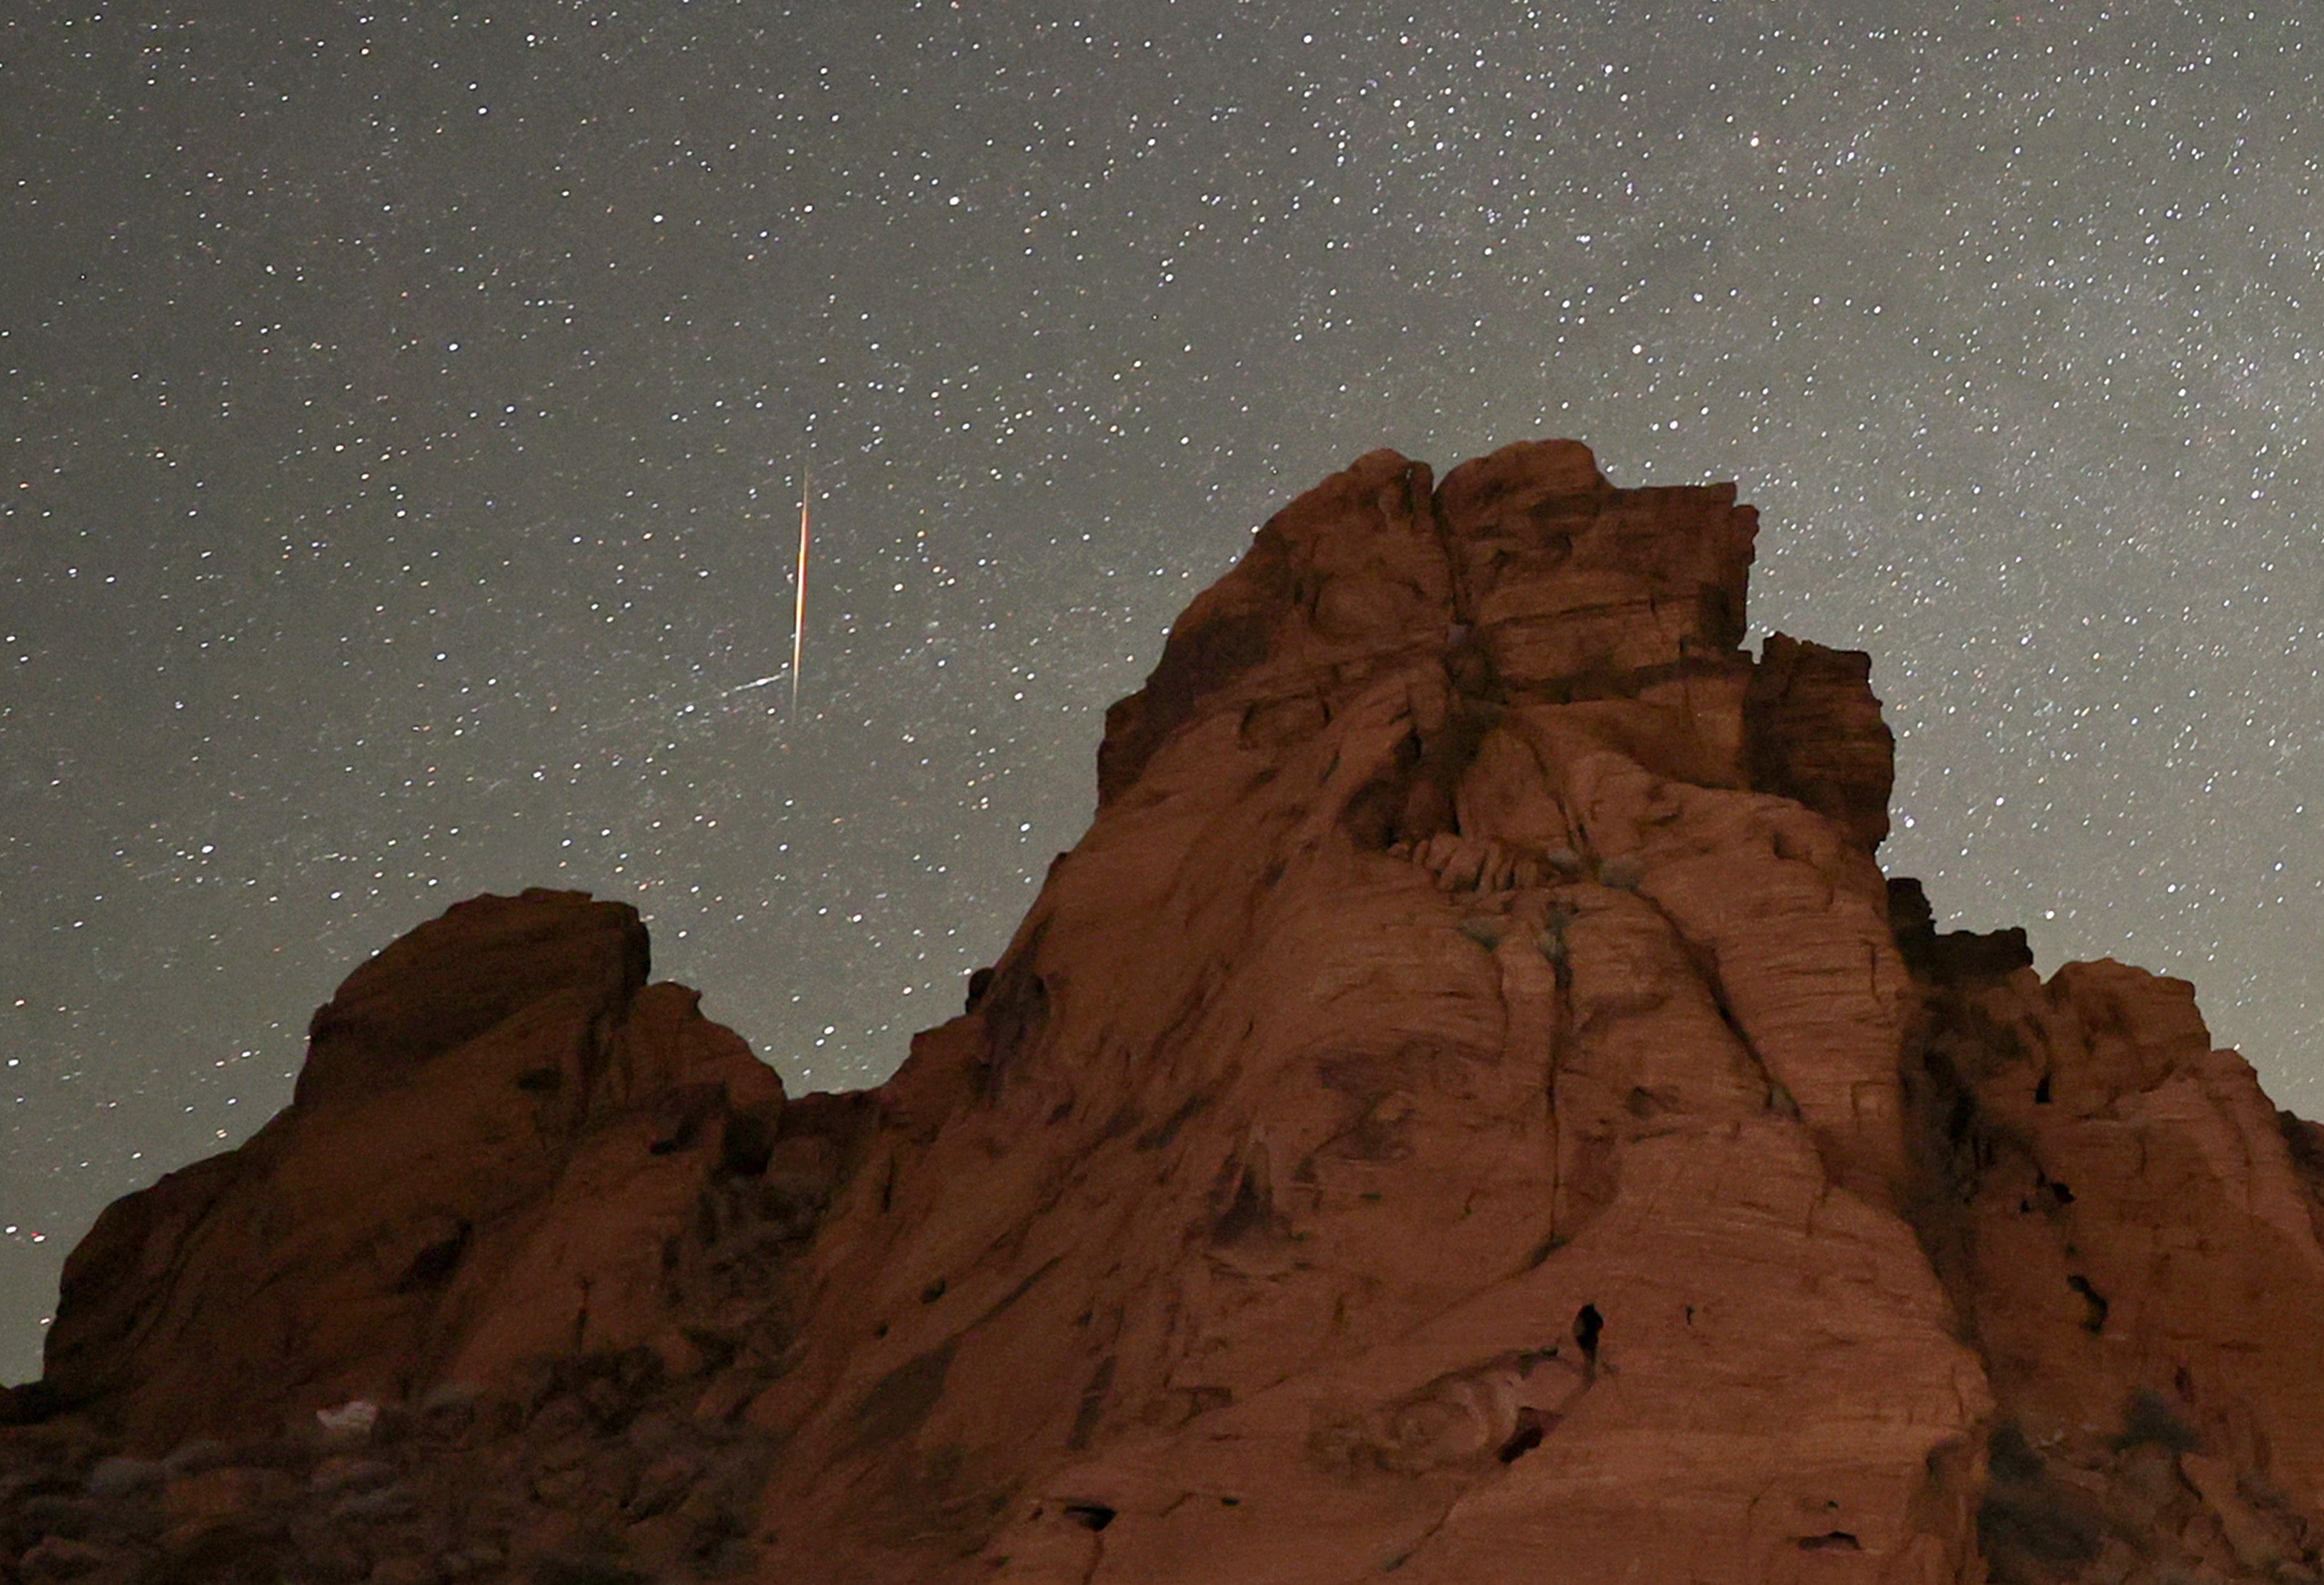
(798, 611)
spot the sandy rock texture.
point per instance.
(1471, 1109)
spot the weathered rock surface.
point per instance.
(1471, 1108)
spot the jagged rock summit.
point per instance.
(1471, 1109)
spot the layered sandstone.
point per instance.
(1471, 1108)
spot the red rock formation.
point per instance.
(2131, 1234)
(1472, 1106)
(1434, 978)
(498, 1129)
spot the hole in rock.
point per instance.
(1831, 1541)
(1369, 818)
(1089, 1516)
(541, 1081)
(1587, 1326)
(2095, 1322)
(2042, 1092)
(1532, 1426)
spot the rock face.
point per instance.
(1471, 1108)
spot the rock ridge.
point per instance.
(1471, 1108)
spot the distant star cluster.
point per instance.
(403, 414)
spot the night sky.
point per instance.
(402, 420)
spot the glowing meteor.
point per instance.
(798, 611)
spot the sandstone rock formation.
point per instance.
(500, 1135)
(1471, 1109)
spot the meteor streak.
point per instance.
(798, 611)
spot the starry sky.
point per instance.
(404, 416)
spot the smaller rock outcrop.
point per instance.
(499, 1147)
(2130, 1232)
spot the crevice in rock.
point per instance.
(1831, 1541)
(1162, 1133)
(1776, 1095)
(1093, 1404)
(431, 1268)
